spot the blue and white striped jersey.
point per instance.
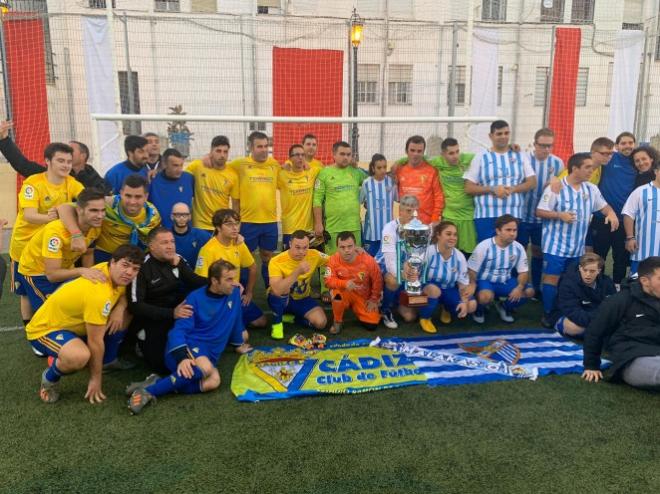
(494, 263)
(378, 199)
(567, 239)
(491, 169)
(643, 206)
(446, 272)
(550, 167)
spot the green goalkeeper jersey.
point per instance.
(337, 191)
(458, 204)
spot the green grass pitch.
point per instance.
(557, 434)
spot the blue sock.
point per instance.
(173, 382)
(389, 299)
(53, 374)
(480, 310)
(264, 273)
(537, 271)
(112, 344)
(427, 311)
(277, 304)
(549, 296)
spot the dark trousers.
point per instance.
(604, 240)
(154, 342)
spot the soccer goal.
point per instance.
(192, 134)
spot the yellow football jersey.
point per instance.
(37, 192)
(257, 189)
(53, 241)
(75, 303)
(594, 179)
(115, 232)
(296, 193)
(282, 266)
(213, 188)
(213, 250)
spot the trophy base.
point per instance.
(414, 301)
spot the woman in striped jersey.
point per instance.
(447, 278)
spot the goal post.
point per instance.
(376, 134)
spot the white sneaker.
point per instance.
(504, 314)
(388, 320)
(479, 317)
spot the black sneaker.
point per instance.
(118, 365)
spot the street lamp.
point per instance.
(357, 24)
(4, 6)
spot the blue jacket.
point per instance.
(116, 175)
(165, 192)
(579, 302)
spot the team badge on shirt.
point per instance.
(229, 304)
(54, 245)
(512, 258)
(106, 309)
(29, 192)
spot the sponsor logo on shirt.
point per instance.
(29, 192)
(54, 245)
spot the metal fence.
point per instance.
(217, 64)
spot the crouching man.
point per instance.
(80, 325)
(195, 343)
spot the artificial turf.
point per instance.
(557, 434)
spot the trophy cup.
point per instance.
(414, 237)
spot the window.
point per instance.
(260, 126)
(493, 10)
(632, 26)
(40, 7)
(268, 6)
(541, 86)
(367, 83)
(582, 11)
(203, 6)
(399, 86)
(554, 13)
(130, 127)
(100, 4)
(167, 6)
(582, 83)
(500, 72)
(459, 85)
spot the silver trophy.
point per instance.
(415, 237)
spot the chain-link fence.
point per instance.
(214, 64)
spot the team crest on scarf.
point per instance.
(498, 350)
(278, 367)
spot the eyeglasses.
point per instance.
(232, 223)
(545, 146)
(296, 155)
(180, 215)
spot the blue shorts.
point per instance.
(485, 228)
(262, 235)
(251, 312)
(286, 240)
(499, 289)
(559, 325)
(371, 246)
(37, 289)
(300, 307)
(50, 344)
(450, 298)
(529, 232)
(15, 285)
(101, 256)
(198, 349)
(557, 265)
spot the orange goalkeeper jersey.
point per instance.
(422, 182)
(364, 271)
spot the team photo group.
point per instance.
(159, 256)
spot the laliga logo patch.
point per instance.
(229, 304)
(200, 261)
(54, 244)
(106, 309)
(29, 192)
(328, 271)
(498, 350)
